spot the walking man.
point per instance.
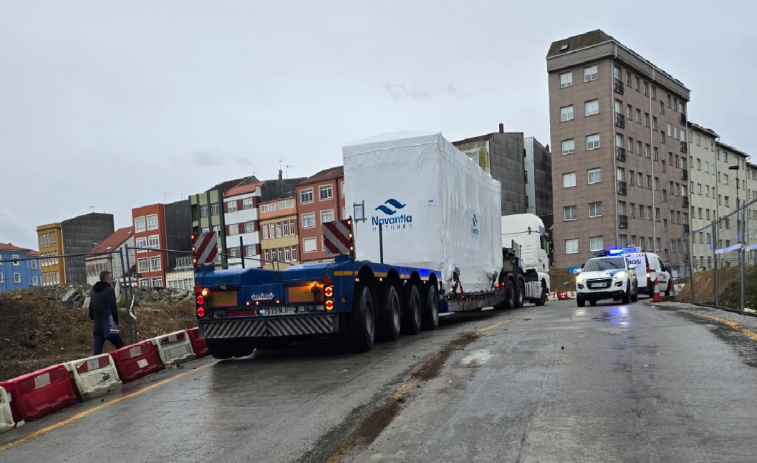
(104, 311)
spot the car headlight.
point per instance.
(580, 280)
(619, 276)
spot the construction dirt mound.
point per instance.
(561, 280)
(729, 285)
(37, 332)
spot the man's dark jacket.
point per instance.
(101, 303)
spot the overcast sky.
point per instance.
(119, 104)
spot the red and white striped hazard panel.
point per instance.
(337, 236)
(204, 247)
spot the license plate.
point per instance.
(278, 311)
(599, 285)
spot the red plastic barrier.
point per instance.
(37, 394)
(199, 345)
(136, 361)
(562, 296)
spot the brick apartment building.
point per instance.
(320, 199)
(280, 240)
(162, 227)
(619, 165)
(240, 205)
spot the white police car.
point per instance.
(607, 277)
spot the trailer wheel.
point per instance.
(519, 294)
(543, 297)
(430, 315)
(411, 323)
(390, 318)
(361, 322)
(223, 349)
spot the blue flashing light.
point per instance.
(615, 252)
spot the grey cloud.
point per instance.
(14, 230)
(206, 158)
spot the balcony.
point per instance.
(620, 153)
(684, 147)
(619, 86)
(685, 228)
(685, 201)
(684, 174)
(622, 188)
(620, 120)
(683, 119)
(622, 221)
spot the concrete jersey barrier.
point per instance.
(6, 416)
(174, 348)
(94, 376)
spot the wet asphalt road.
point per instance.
(552, 384)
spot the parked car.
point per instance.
(608, 277)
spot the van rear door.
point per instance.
(640, 261)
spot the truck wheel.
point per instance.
(361, 323)
(627, 294)
(411, 323)
(543, 298)
(509, 302)
(520, 293)
(430, 315)
(221, 349)
(390, 318)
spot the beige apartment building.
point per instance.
(620, 163)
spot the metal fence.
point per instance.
(730, 242)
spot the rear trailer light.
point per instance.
(329, 305)
(328, 291)
(200, 312)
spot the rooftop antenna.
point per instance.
(287, 168)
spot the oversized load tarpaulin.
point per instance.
(438, 209)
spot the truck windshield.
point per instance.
(608, 263)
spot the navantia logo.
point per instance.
(394, 219)
(474, 226)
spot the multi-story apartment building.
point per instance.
(108, 255)
(74, 237)
(208, 214)
(751, 214)
(182, 275)
(16, 272)
(619, 124)
(704, 193)
(280, 240)
(731, 190)
(240, 206)
(158, 229)
(538, 177)
(320, 199)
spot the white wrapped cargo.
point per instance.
(438, 209)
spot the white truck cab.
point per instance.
(528, 231)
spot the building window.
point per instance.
(646, 119)
(309, 245)
(34, 265)
(278, 229)
(664, 224)
(646, 150)
(249, 226)
(308, 221)
(657, 214)
(662, 107)
(141, 244)
(596, 243)
(590, 73)
(591, 107)
(654, 92)
(649, 182)
(139, 225)
(306, 196)
(569, 180)
(267, 256)
(662, 137)
(570, 213)
(630, 145)
(286, 255)
(231, 206)
(215, 209)
(267, 207)
(204, 210)
(17, 278)
(157, 282)
(568, 146)
(566, 79)
(35, 281)
(649, 212)
(247, 203)
(327, 216)
(153, 242)
(142, 265)
(265, 231)
(152, 222)
(638, 115)
(294, 253)
(155, 263)
(286, 204)
(595, 209)
(638, 147)
(636, 83)
(234, 252)
(272, 230)
(646, 88)
(3, 281)
(234, 229)
(629, 112)
(292, 230)
(595, 176)
(16, 263)
(325, 192)
(592, 142)
(571, 246)
(566, 113)
(286, 227)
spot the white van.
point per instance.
(648, 267)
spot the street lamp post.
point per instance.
(739, 222)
